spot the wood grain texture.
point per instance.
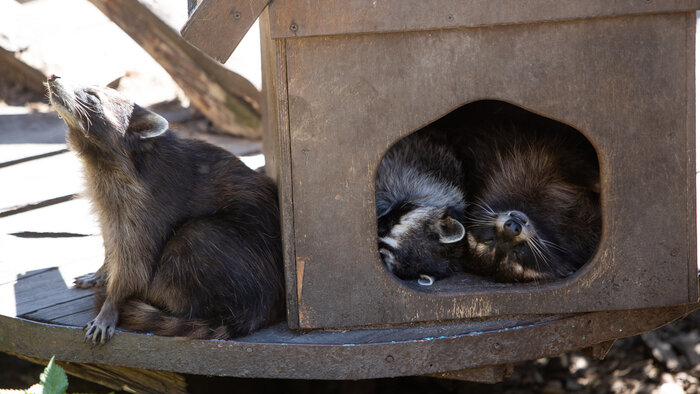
(278, 156)
(39, 180)
(691, 155)
(281, 353)
(230, 101)
(16, 70)
(623, 82)
(121, 378)
(305, 18)
(217, 26)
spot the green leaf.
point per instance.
(54, 379)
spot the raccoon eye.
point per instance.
(92, 96)
(515, 256)
(488, 241)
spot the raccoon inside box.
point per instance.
(491, 195)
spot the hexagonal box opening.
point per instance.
(491, 190)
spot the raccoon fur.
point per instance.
(420, 207)
(191, 235)
(534, 205)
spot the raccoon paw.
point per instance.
(102, 328)
(89, 280)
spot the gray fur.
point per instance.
(419, 208)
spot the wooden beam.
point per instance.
(121, 378)
(15, 69)
(230, 101)
(217, 26)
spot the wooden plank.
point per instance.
(43, 290)
(217, 26)
(691, 154)
(489, 374)
(39, 180)
(120, 378)
(75, 312)
(26, 135)
(230, 101)
(282, 170)
(336, 358)
(14, 69)
(73, 217)
(303, 18)
(21, 257)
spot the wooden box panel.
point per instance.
(627, 83)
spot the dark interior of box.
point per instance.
(450, 130)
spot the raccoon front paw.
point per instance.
(89, 280)
(101, 329)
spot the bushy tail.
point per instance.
(142, 317)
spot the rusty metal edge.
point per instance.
(300, 18)
(338, 360)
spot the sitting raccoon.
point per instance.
(420, 207)
(191, 235)
(534, 208)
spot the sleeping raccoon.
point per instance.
(419, 209)
(191, 235)
(534, 212)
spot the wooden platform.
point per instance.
(48, 236)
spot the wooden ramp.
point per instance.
(47, 237)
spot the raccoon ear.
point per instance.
(388, 259)
(146, 124)
(450, 230)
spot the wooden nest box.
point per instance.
(344, 80)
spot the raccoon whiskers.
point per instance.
(480, 203)
(537, 251)
(552, 245)
(82, 108)
(485, 217)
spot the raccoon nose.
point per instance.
(512, 228)
(518, 216)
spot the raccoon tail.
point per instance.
(139, 316)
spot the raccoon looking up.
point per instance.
(419, 209)
(191, 235)
(534, 212)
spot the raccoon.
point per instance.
(191, 235)
(420, 207)
(534, 208)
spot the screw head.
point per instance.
(293, 27)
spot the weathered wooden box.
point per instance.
(345, 79)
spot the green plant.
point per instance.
(52, 381)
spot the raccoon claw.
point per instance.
(98, 332)
(88, 280)
(426, 280)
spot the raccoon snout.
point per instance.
(511, 228)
